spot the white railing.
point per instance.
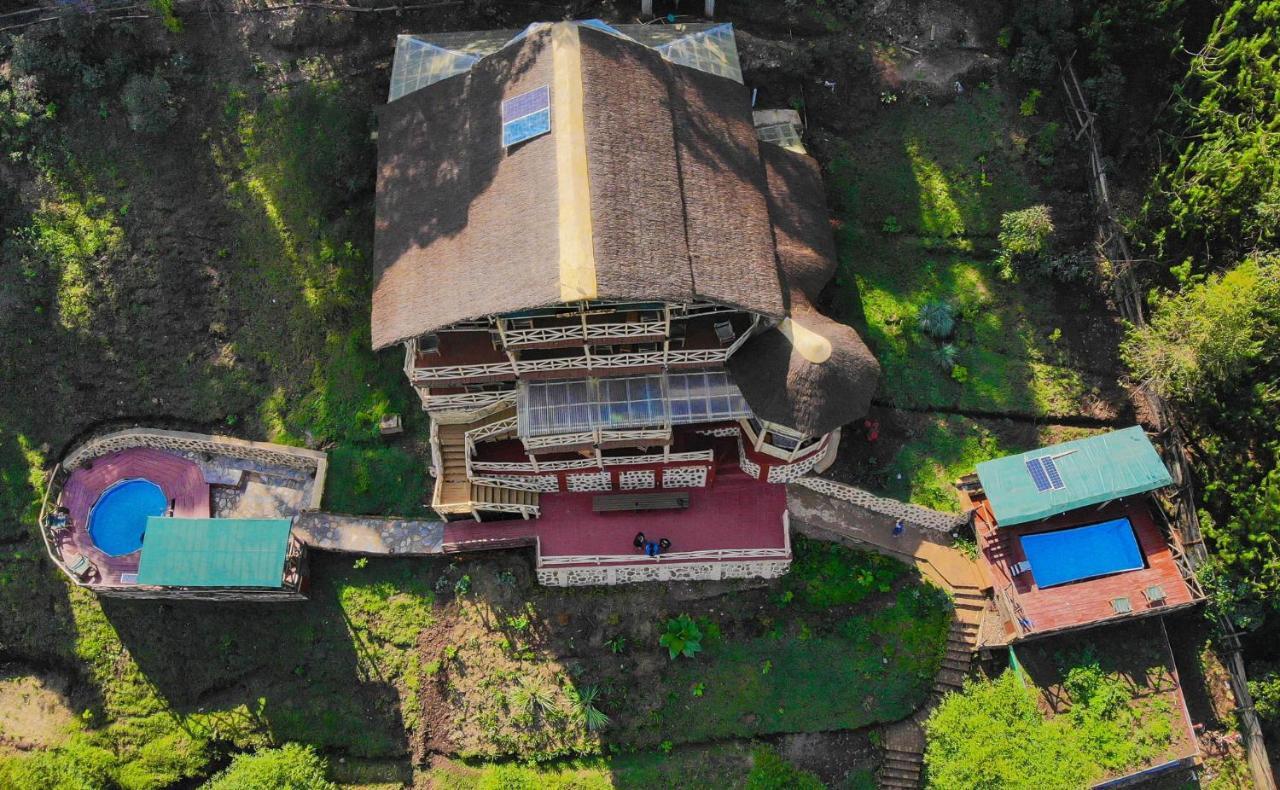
(671, 556)
(466, 400)
(541, 483)
(560, 440)
(601, 362)
(658, 434)
(637, 329)
(527, 511)
(514, 338)
(686, 356)
(706, 456)
(447, 372)
(490, 430)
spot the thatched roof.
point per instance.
(810, 373)
(650, 186)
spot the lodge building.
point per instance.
(602, 266)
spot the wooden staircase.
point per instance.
(455, 493)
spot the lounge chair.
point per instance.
(1155, 595)
(80, 567)
(1121, 605)
(1019, 568)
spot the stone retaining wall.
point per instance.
(312, 462)
(918, 516)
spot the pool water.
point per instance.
(1069, 555)
(119, 517)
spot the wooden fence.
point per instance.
(1113, 246)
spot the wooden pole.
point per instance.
(646, 8)
(710, 9)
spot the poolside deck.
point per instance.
(1066, 606)
(181, 480)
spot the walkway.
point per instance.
(400, 537)
(831, 515)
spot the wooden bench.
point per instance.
(608, 503)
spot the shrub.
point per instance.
(937, 319)
(769, 771)
(290, 767)
(149, 103)
(682, 638)
(593, 717)
(1024, 239)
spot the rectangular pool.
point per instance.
(1069, 555)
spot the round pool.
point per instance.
(119, 517)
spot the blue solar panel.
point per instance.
(526, 104)
(1051, 471)
(1035, 468)
(526, 128)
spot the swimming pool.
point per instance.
(118, 518)
(1070, 555)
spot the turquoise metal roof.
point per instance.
(214, 552)
(1093, 470)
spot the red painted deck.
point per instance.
(735, 512)
(181, 480)
(1088, 601)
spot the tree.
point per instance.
(149, 103)
(290, 767)
(1209, 335)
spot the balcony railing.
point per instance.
(466, 400)
(516, 338)
(706, 456)
(422, 375)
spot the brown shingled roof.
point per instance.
(677, 198)
(811, 373)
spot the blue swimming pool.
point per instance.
(118, 518)
(1069, 555)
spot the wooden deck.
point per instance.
(181, 480)
(1088, 601)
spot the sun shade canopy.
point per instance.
(557, 407)
(1052, 480)
(214, 552)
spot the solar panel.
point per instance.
(1044, 473)
(1051, 471)
(1035, 468)
(526, 116)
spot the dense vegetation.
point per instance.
(1212, 345)
(993, 734)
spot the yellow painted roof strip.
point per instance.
(577, 251)
(808, 343)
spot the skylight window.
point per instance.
(526, 116)
(1044, 473)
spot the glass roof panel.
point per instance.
(713, 51)
(418, 64)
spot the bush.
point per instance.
(770, 772)
(1024, 239)
(291, 767)
(683, 637)
(149, 103)
(937, 320)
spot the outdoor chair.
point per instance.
(1019, 568)
(1121, 605)
(725, 333)
(1155, 595)
(80, 567)
(429, 344)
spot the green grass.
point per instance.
(920, 198)
(870, 668)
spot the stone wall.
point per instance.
(918, 516)
(690, 571)
(310, 461)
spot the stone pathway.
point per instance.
(370, 534)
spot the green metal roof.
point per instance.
(214, 552)
(1093, 470)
